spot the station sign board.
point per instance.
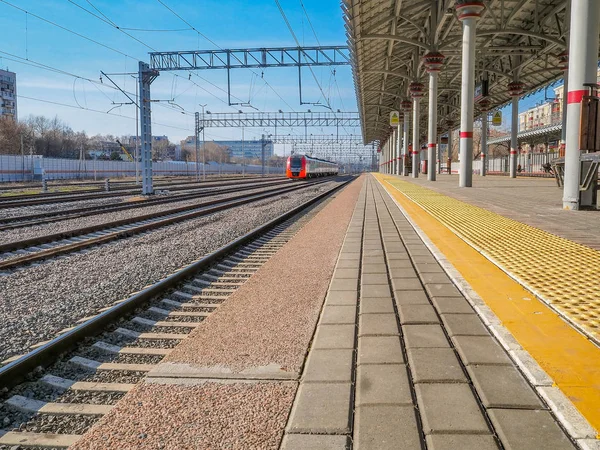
(444, 140)
(497, 119)
(394, 119)
(481, 90)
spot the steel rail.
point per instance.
(17, 371)
(55, 216)
(201, 210)
(34, 199)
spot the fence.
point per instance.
(28, 168)
(531, 164)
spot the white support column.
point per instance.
(399, 149)
(515, 89)
(416, 91)
(406, 108)
(484, 106)
(583, 66)
(564, 64)
(468, 13)
(394, 146)
(450, 144)
(433, 61)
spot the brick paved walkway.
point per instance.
(399, 356)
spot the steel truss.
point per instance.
(286, 119)
(318, 139)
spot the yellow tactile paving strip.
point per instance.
(567, 356)
(563, 273)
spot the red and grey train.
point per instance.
(303, 167)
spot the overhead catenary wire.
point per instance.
(220, 48)
(298, 44)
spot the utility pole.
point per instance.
(262, 155)
(243, 155)
(22, 157)
(203, 147)
(196, 138)
(137, 134)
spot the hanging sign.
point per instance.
(497, 119)
(394, 119)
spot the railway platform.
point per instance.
(398, 317)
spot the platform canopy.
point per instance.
(516, 39)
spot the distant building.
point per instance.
(237, 149)
(8, 94)
(132, 139)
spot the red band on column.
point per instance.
(432, 145)
(466, 135)
(513, 152)
(576, 96)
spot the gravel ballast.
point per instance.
(208, 416)
(18, 234)
(40, 300)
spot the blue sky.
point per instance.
(230, 24)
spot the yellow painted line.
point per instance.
(571, 360)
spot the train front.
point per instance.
(296, 167)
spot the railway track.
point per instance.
(38, 199)
(110, 352)
(10, 223)
(20, 253)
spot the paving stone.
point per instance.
(376, 305)
(338, 314)
(428, 267)
(424, 259)
(314, 442)
(379, 350)
(424, 336)
(442, 290)
(418, 251)
(404, 272)
(393, 247)
(436, 277)
(341, 298)
(371, 253)
(452, 305)
(461, 442)
(382, 384)
(411, 298)
(373, 260)
(407, 284)
(375, 278)
(435, 365)
(385, 427)
(449, 408)
(346, 273)
(351, 248)
(349, 257)
(398, 256)
(375, 290)
(480, 350)
(521, 429)
(377, 325)
(400, 264)
(464, 325)
(321, 408)
(348, 264)
(334, 336)
(503, 387)
(417, 314)
(343, 285)
(374, 268)
(328, 366)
